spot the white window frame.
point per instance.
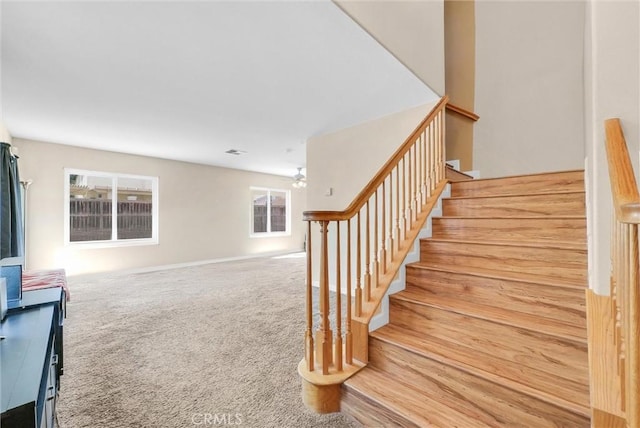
(114, 241)
(268, 233)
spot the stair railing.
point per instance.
(625, 283)
(359, 251)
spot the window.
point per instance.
(270, 212)
(110, 209)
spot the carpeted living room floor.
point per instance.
(177, 348)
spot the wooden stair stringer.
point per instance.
(381, 318)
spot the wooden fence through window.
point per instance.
(278, 218)
(91, 220)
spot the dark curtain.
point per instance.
(11, 230)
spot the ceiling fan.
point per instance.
(299, 180)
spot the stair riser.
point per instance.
(537, 360)
(566, 305)
(516, 206)
(517, 230)
(568, 264)
(368, 412)
(479, 399)
(562, 181)
(383, 401)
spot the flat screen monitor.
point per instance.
(3, 298)
(13, 276)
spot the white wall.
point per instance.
(612, 89)
(529, 87)
(413, 31)
(347, 160)
(204, 211)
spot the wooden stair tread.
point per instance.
(433, 349)
(566, 180)
(485, 401)
(561, 245)
(541, 229)
(409, 403)
(496, 314)
(546, 259)
(532, 175)
(539, 360)
(499, 274)
(453, 175)
(566, 305)
(516, 205)
(522, 217)
(513, 195)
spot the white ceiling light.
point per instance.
(299, 180)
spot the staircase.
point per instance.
(490, 330)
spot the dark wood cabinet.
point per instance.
(31, 359)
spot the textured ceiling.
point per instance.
(190, 80)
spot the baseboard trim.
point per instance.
(185, 264)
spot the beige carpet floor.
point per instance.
(177, 348)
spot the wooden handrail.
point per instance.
(364, 195)
(624, 188)
(625, 281)
(462, 112)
